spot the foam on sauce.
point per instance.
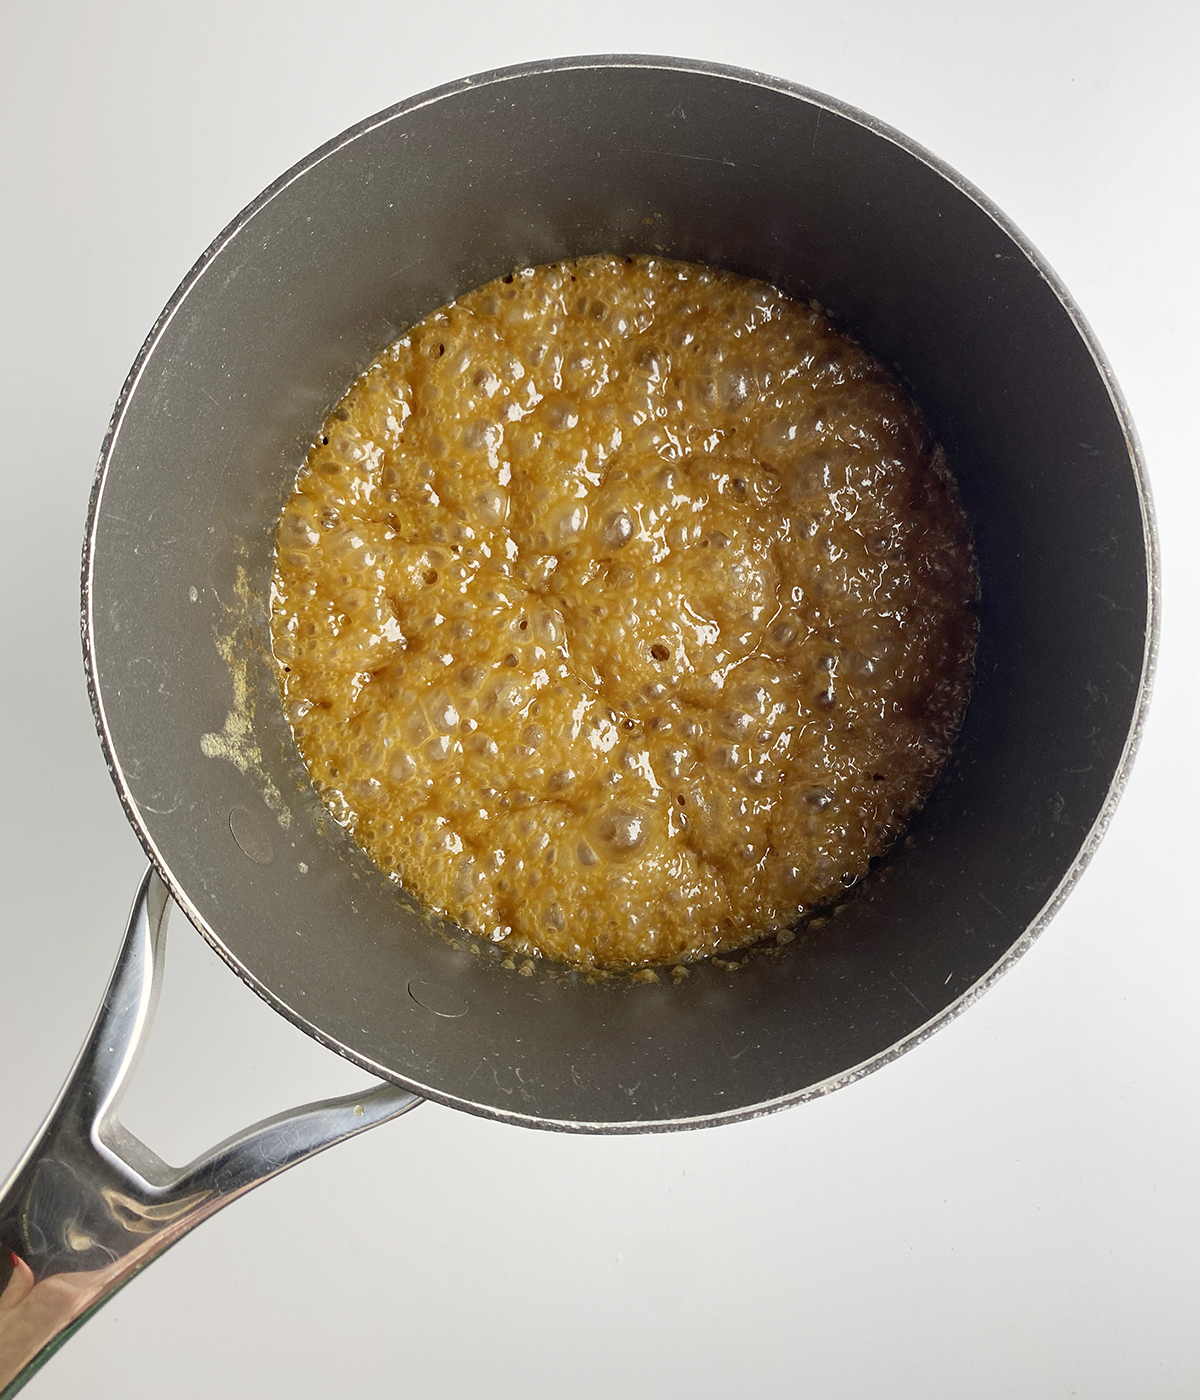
(624, 611)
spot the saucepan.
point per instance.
(395, 217)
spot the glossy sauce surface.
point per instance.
(624, 611)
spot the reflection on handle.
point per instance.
(89, 1205)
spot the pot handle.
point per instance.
(89, 1205)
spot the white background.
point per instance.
(1012, 1210)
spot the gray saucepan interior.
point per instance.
(413, 208)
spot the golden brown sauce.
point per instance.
(624, 611)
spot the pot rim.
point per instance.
(1026, 248)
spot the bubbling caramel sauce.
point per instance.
(624, 611)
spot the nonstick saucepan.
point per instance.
(388, 221)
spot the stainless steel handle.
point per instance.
(89, 1205)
